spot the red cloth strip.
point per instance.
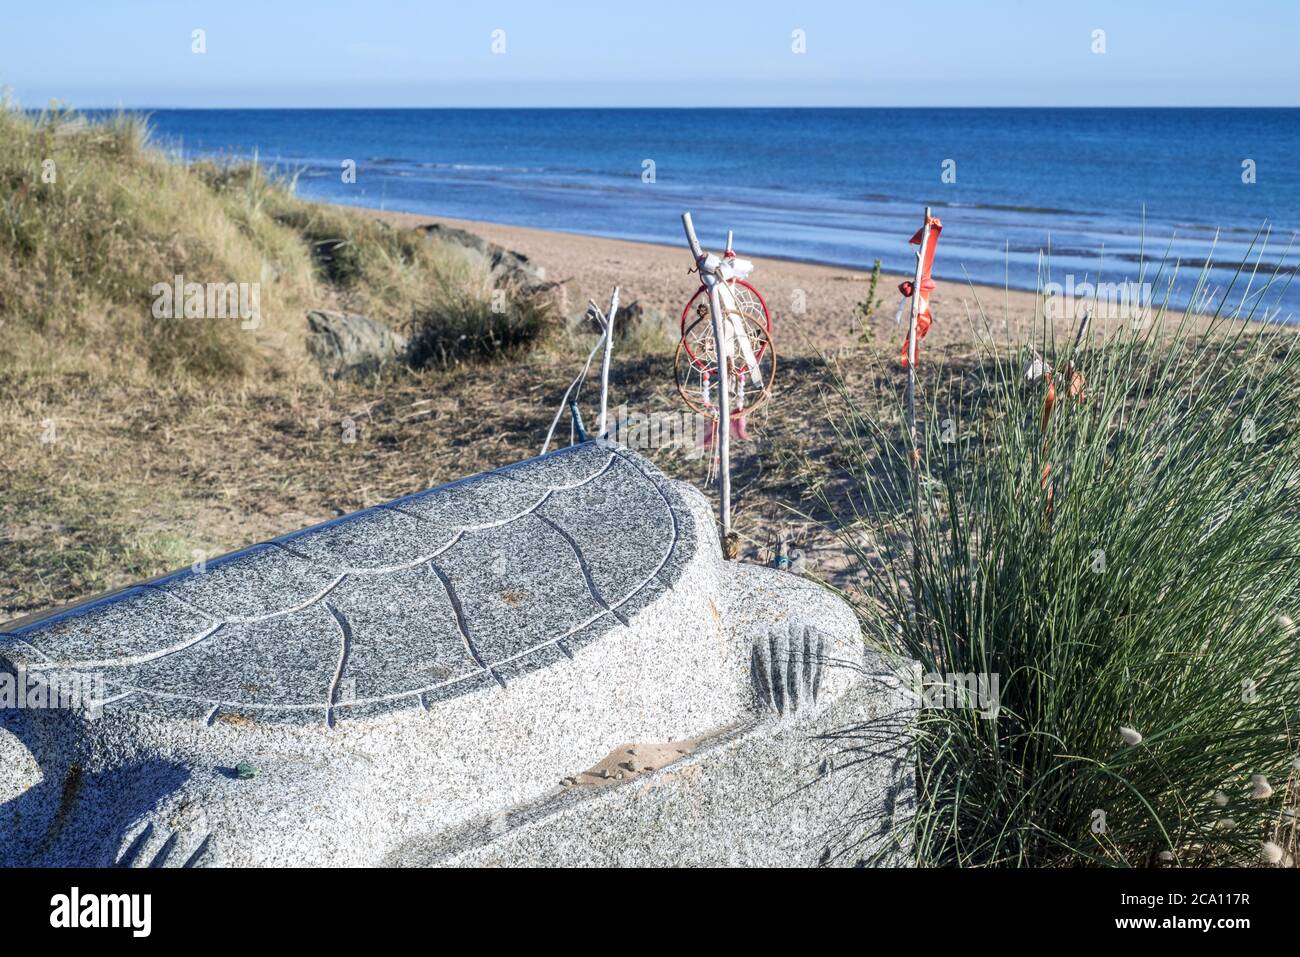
(928, 285)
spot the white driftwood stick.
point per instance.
(720, 349)
(720, 340)
(604, 366)
(696, 251)
(564, 401)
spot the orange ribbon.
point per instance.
(928, 285)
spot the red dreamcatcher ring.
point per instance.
(749, 301)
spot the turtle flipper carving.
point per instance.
(788, 664)
(278, 814)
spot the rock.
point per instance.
(627, 320)
(629, 316)
(348, 345)
(508, 269)
(504, 265)
(410, 681)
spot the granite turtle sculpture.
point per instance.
(400, 684)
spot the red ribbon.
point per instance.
(928, 285)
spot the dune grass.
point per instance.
(94, 215)
(91, 218)
(1148, 583)
(463, 316)
(128, 442)
(449, 305)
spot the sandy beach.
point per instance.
(658, 277)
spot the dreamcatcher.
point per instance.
(747, 329)
(725, 363)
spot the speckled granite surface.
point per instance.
(417, 600)
(383, 681)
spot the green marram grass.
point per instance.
(1156, 596)
(94, 214)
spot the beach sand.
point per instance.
(658, 277)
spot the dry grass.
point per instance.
(91, 218)
(131, 444)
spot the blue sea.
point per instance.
(1097, 189)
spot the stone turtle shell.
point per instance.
(457, 589)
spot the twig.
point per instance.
(604, 366)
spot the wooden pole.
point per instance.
(720, 345)
(604, 366)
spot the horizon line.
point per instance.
(1007, 106)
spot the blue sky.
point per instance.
(631, 53)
